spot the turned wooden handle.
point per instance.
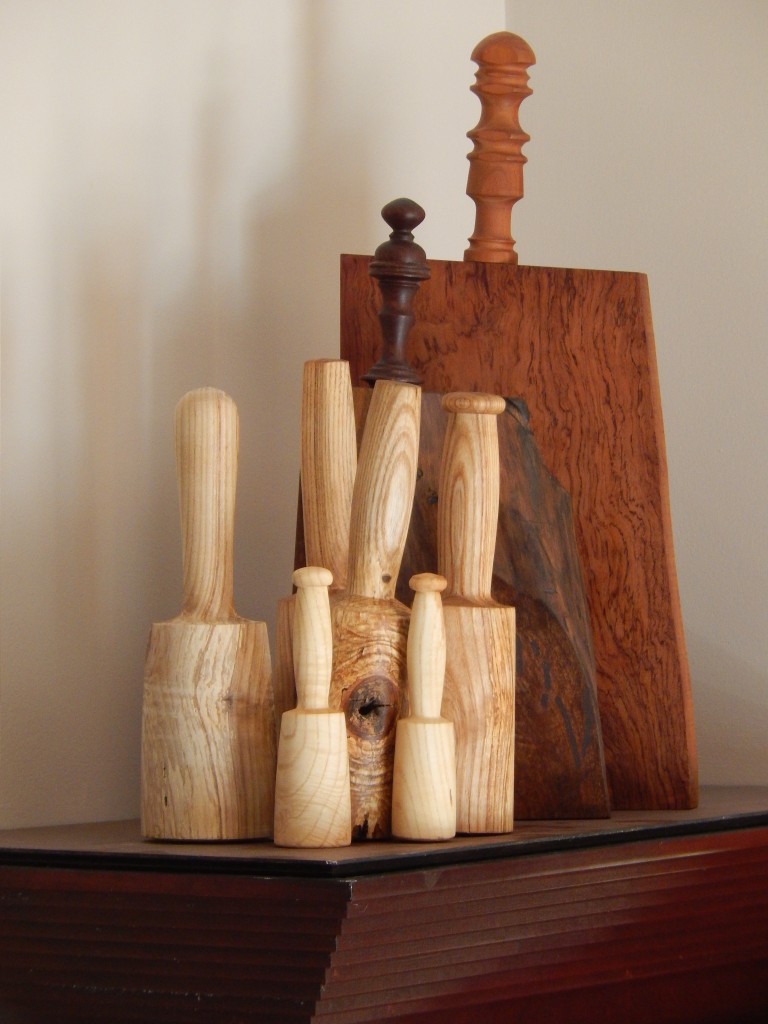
(312, 788)
(426, 646)
(312, 638)
(495, 180)
(328, 464)
(384, 488)
(399, 265)
(206, 432)
(468, 495)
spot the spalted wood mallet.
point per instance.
(424, 780)
(479, 696)
(312, 793)
(208, 744)
(370, 627)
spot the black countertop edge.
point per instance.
(432, 856)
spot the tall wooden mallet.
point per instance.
(479, 696)
(312, 794)
(370, 626)
(208, 744)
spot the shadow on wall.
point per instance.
(244, 322)
(720, 683)
(251, 334)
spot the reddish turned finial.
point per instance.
(399, 265)
(495, 180)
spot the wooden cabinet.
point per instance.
(656, 917)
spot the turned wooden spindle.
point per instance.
(479, 695)
(208, 747)
(328, 466)
(370, 627)
(312, 792)
(495, 180)
(424, 780)
(399, 265)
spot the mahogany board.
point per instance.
(578, 347)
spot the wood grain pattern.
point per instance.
(370, 627)
(328, 460)
(578, 347)
(424, 780)
(479, 695)
(559, 762)
(328, 464)
(208, 745)
(312, 790)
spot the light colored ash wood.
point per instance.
(208, 743)
(479, 693)
(370, 627)
(206, 438)
(468, 508)
(495, 180)
(328, 464)
(312, 789)
(328, 467)
(383, 492)
(424, 780)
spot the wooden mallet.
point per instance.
(312, 794)
(479, 695)
(370, 626)
(208, 746)
(424, 780)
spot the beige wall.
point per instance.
(177, 183)
(649, 152)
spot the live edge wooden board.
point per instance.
(578, 347)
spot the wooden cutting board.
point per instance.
(577, 346)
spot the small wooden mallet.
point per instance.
(312, 794)
(424, 780)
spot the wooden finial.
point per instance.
(495, 180)
(399, 265)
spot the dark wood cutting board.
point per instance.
(577, 346)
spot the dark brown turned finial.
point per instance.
(399, 265)
(495, 180)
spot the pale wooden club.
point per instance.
(208, 745)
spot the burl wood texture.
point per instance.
(578, 347)
(370, 626)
